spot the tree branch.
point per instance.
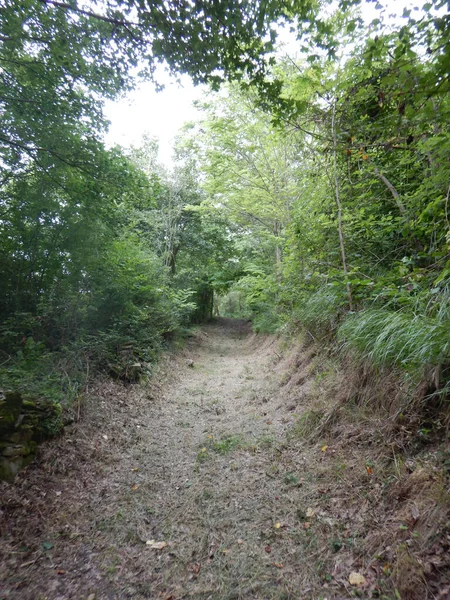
(391, 188)
(89, 13)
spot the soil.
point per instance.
(197, 486)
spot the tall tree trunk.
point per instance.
(339, 206)
(276, 231)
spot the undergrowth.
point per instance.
(61, 375)
(319, 312)
(397, 338)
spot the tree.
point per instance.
(59, 60)
(252, 169)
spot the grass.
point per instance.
(389, 338)
(230, 443)
(290, 479)
(319, 312)
(307, 423)
(223, 446)
(227, 444)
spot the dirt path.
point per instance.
(204, 486)
(195, 466)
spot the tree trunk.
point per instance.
(339, 205)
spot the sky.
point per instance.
(161, 114)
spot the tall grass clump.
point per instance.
(387, 338)
(319, 312)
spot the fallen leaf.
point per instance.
(196, 568)
(135, 469)
(210, 437)
(156, 545)
(61, 572)
(324, 448)
(268, 549)
(277, 525)
(269, 422)
(278, 565)
(369, 470)
(306, 525)
(310, 513)
(356, 579)
(135, 487)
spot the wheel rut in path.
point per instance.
(194, 467)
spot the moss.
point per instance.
(28, 404)
(10, 450)
(7, 470)
(23, 423)
(43, 417)
(10, 409)
(15, 457)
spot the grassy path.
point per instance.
(205, 486)
(194, 465)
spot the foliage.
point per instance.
(339, 184)
(314, 191)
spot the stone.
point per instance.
(23, 423)
(10, 409)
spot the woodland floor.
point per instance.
(203, 463)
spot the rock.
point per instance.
(24, 423)
(13, 450)
(10, 408)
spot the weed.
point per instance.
(227, 444)
(335, 544)
(306, 424)
(202, 456)
(290, 479)
(319, 311)
(265, 441)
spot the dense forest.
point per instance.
(312, 195)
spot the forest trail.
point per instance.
(198, 465)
